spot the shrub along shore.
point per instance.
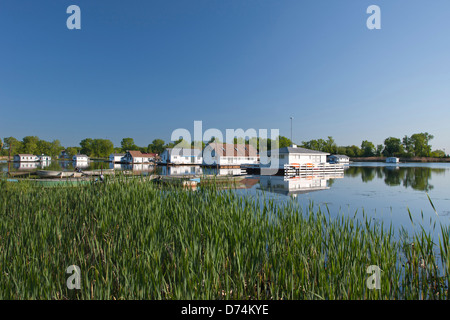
(141, 240)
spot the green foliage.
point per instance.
(133, 239)
(392, 147)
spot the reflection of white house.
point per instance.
(21, 157)
(43, 158)
(181, 170)
(293, 185)
(231, 172)
(226, 154)
(80, 158)
(116, 157)
(338, 158)
(182, 156)
(294, 156)
(139, 157)
(392, 160)
(26, 165)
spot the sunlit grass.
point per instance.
(134, 239)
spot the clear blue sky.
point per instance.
(143, 68)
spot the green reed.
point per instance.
(135, 239)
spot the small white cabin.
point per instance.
(22, 157)
(294, 156)
(116, 157)
(139, 157)
(182, 156)
(44, 158)
(392, 160)
(338, 158)
(80, 158)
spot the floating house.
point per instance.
(23, 157)
(139, 157)
(226, 154)
(339, 158)
(294, 156)
(182, 156)
(43, 158)
(392, 160)
(80, 158)
(116, 157)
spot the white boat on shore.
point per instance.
(58, 174)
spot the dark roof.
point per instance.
(339, 156)
(233, 150)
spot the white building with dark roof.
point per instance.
(182, 156)
(338, 158)
(23, 157)
(228, 154)
(293, 156)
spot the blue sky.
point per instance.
(144, 68)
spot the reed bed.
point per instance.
(134, 239)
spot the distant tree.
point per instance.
(420, 141)
(86, 146)
(437, 154)
(157, 146)
(368, 149)
(330, 146)
(198, 144)
(71, 151)
(392, 147)
(29, 144)
(102, 148)
(353, 151)
(284, 142)
(408, 146)
(379, 150)
(128, 144)
(13, 143)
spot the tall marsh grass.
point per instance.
(135, 239)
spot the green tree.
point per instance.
(379, 150)
(29, 144)
(157, 146)
(420, 141)
(71, 151)
(102, 148)
(128, 144)
(392, 147)
(13, 143)
(368, 149)
(86, 146)
(330, 145)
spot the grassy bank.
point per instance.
(401, 159)
(139, 240)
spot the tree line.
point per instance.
(416, 145)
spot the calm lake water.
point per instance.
(384, 192)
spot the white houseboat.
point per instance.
(338, 158)
(116, 157)
(80, 158)
(392, 160)
(139, 157)
(226, 154)
(182, 156)
(297, 161)
(44, 158)
(22, 157)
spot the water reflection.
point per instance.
(293, 186)
(416, 178)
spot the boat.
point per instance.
(58, 174)
(392, 160)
